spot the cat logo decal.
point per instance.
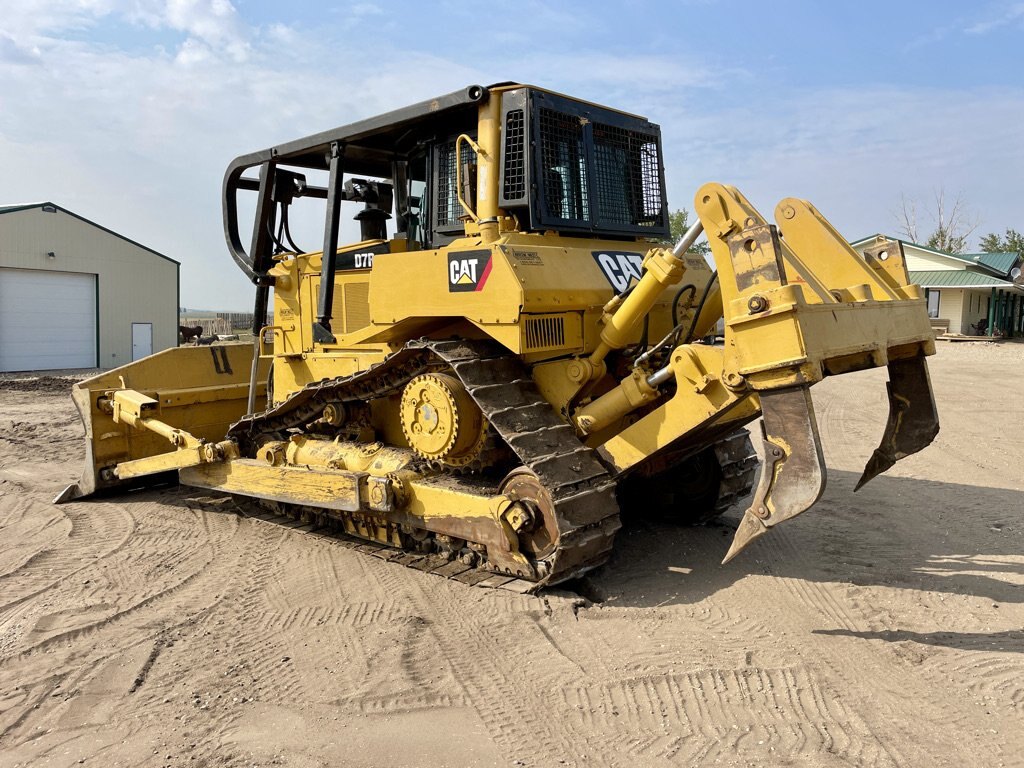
(468, 271)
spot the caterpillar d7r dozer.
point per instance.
(479, 386)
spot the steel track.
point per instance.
(581, 487)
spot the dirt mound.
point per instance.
(54, 384)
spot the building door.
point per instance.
(142, 340)
(47, 320)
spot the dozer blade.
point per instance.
(913, 421)
(201, 390)
(793, 475)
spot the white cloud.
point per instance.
(1009, 15)
(37, 17)
(17, 54)
(627, 72)
(212, 24)
(366, 9)
(991, 18)
(854, 151)
(138, 138)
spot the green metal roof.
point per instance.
(959, 278)
(990, 262)
(1000, 262)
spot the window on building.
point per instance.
(933, 303)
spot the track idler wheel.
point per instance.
(531, 516)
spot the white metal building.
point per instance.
(74, 294)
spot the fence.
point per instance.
(212, 326)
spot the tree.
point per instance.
(1011, 242)
(678, 223)
(954, 224)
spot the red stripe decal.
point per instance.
(483, 277)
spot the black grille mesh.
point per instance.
(626, 174)
(545, 332)
(448, 209)
(563, 159)
(514, 157)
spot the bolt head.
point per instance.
(757, 304)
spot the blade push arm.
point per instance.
(135, 409)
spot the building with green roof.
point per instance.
(968, 294)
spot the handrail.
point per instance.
(262, 347)
(458, 172)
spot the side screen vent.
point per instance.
(357, 306)
(544, 333)
(628, 178)
(513, 159)
(515, 150)
(563, 158)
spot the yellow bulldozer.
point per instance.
(511, 355)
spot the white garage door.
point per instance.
(47, 320)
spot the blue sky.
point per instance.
(128, 111)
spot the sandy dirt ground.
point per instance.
(879, 629)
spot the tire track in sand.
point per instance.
(131, 621)
(718, 714)
(370, 647)
(245, 654)
(28, 527)
(493, 654)
(885, 684)
(664, 704)
(96, 530)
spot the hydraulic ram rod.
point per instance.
(663, 268)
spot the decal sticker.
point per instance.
(620, 268)
(468, 271)
(695, 262)
(221, 364)
(530, 258)
(361, 259)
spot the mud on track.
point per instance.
(879, 629)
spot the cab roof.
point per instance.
(371, 145)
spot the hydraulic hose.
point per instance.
(700, 307)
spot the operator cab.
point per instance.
(566, 166)
(556, 164)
